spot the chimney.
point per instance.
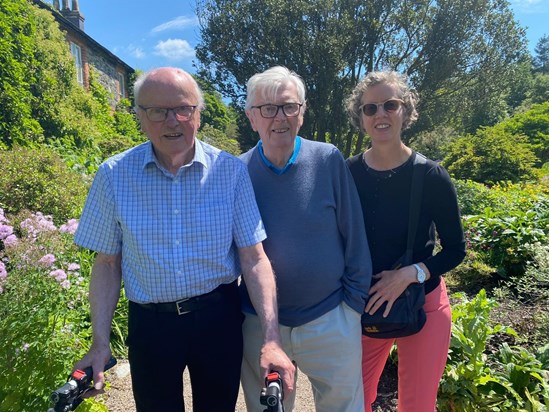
(74, 15)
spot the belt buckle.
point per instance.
(180, 311)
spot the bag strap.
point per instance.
(415, 204)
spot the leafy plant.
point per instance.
(503, 238)
(464, 385)
(44, 313)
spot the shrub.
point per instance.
(434, 144)
(476, 379)
(502, 238)
(490, 156)
(38, 180)
(219, 139)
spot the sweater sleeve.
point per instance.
(442, 199)
(358, 265)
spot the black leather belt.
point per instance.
(184, 306)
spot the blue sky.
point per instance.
(152, 33)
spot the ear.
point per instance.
(251, 118)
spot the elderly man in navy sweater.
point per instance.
(316, 243)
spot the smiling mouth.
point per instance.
(281, 130)
(382, 126)
(173, 136)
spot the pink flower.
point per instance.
(38, 223)
(69, 227)
(65, 284)
(5, 231)
(47, 260)
(58, 274)
(73, 267)
(3, 271)
(11, 240)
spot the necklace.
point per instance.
(380, 174)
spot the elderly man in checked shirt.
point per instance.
(176, 220)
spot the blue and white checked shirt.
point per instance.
(177, 234)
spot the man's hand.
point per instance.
(273, 358)
(97, 358)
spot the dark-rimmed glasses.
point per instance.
(159, 114)
(269, 111)
(390, 106)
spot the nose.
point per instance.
(171, 117)
(280, 114)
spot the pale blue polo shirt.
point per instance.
(177, 234)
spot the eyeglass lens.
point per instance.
(390, 106)
(159, 114)
(271, 110)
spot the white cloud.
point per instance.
(136, 52)
(174, 49)
(529, 6)
(179, 23)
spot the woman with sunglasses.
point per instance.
(382, 105)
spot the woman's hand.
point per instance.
(389, 287)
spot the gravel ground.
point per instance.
(119, 396)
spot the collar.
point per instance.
(199, 155)
(291, 160)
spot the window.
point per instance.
(77, 53)
(121, 85)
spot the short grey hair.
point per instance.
(142, 78)
(405, 92)
(268, 82)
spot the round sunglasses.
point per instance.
(390, 106)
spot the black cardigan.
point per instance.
(385, 199)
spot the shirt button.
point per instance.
(176, 211)
(178, 242)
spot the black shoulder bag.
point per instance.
(407, 316)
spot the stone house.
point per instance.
(112, 72)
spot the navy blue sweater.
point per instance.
(315, 236)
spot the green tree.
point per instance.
(461, 56)
(541, 60)
(534, 124)
(490, 156)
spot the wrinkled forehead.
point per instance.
(173, 91)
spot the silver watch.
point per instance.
(420, 275)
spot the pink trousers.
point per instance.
(421, 358)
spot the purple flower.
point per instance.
(11, 240)
(69, 227)
(47, 260)
(3, 271)
(65, 284)
(25, 347)
(73, 267)
(58, 274)
(38, 223)
(5, 231)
